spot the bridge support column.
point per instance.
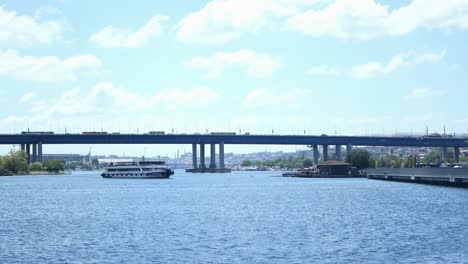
(34, 154)
(221, 155)
(194, 156)
(349, 148)
(316, 154)
(39, 152)
(325, 152)
(213, 156)
(28, 152)
(456, 154)
(202, 157)
(444, 154)
(338, 152)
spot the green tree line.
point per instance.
(16, 162)
(292, 162)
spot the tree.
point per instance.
(16, 161)
(246, 163)
(54, 165)
(359, 158)
(36, 166)
(307, 163)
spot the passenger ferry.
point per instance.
(138, 170)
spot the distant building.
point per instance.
(334, 168)
(63, 157)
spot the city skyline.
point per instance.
(374, 67)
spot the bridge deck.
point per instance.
(234, 139)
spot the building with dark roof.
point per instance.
(334, 168)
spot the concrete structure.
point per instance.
(221, 156)
(39, 152)
(316, 154)
(338, 152)
(202, 157)
(456, 154)
(34, 153)
(37, 139)
(213, 156)
(436, 176)
(194, 156)
(349, 148)
(444, 154)
(28, 151)
(325, 152)
(212, 167)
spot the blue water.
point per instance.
(243, 217)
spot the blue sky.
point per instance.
(350, 66)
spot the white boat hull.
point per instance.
(138, 175)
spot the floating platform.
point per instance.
(435, 176)
(209, 170)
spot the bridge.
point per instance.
(32, 143)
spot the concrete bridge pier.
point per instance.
(456, 154)
(28, 152)
(316, 154)
(194, 157)
(34, 153)
(349, 148)
(213, 156)
(39, 152)
(338, 152)
(202, 157)
(221, 156)
(325, 152)
(444, 154)
(213, 167)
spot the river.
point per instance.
(242, 217)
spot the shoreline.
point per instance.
(37, 173)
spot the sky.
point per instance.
(343, 67)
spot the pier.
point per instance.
(456, 177)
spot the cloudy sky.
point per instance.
(319, 66)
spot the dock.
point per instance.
(209, 170)
(455, 177)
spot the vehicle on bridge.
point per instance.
(156, 133)
(37, 133)
(94, 133)
(138, 170)
(223, 133)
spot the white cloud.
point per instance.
(21, 30)
(221, 21)
(105, 98)
(323, 70)
(421, 93)
(27, 97)
(367, 19)
(268, 97)
(256, 64)
(45, 69)
(112, 37)
(372, 69)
